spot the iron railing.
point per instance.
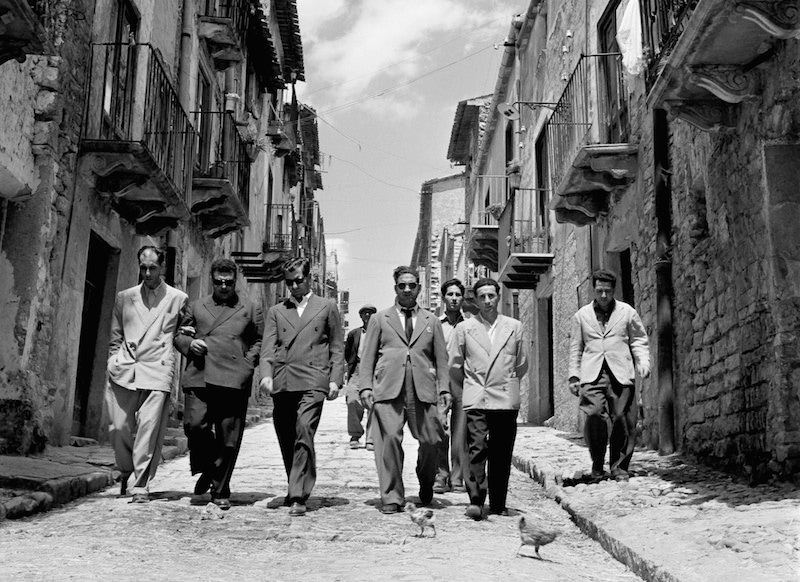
(592, 109)
(222, 153)
(280, 228)
(131, 99)
(523, 226)
(663, 22)
(238, 11)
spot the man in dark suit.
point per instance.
(302, 363)
(221, 339)
(403, 374)
(353, 348)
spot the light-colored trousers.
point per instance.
(138, 421)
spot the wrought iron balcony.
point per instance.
(222, 24)
(703, 54)
(21, 32)
(589, 153)
(280, 229)
(524, 239)
(482, 241)
(137, 140)
(221, 181)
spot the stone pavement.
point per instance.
(673, 521)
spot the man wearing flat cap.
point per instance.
(353, 349)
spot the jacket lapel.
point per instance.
(221, 313)
(423, 320)
(394, 323)
(138, 305)
(478, 333)
(154, 314)
(614, 318)
(591, 318)
(501, 336)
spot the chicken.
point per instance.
(422, 516)
(535, 536)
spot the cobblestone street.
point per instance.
(343, 537)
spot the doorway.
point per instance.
(98, 302)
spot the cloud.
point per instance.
(356, 48)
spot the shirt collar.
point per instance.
(459, 320)
(160, 288)
(414, 309)
(303, 301)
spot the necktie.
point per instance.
(409, 324)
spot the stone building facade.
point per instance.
(682, 177)
(166, 122)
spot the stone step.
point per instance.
(78, 441)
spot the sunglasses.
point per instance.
(223, 282)
(411, 286)
(298, 281)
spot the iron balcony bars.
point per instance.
(663, 22)
(124, 107)
(222, 153)
(280, 228)
(237, 11)
(524, 222)
(593, 108)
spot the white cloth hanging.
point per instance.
(629, 39)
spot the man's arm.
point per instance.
(117, 331)
(639, 345)
(366, 367)
(336, 351)
(441, 358)
(348, 347)
(521, 365)
(183, 341)
(266, 360)
(576, 345)
(255, 333)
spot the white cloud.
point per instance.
(356, 48)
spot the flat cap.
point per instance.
(368, 307)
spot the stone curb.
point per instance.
(65, 489)
(548, 477)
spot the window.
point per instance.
(204, 123)
(120, 72)
(616, 128)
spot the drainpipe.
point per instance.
(663, 200)
(185, 79)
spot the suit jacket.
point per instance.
(623, 339)
(233, 336)
(489, 372)
(303, 353)
(141, 354)
(351, 350)
(386, 352)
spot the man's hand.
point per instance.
(574, 385)
(367, 399)
(265, 386)
(333, 391)
(643, 371)
(198, 347)
(445, 401)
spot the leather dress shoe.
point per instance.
(502, 511)
(140, 498)
(388, 508)
(370, 447)
(458, 487)
(474, 512)
(425, 495)
(223, 503)
(297, 509)
(620, 475)
(441, 486)
(203, 484)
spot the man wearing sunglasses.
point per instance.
(302, 364)
(221, 339)
(404, 375)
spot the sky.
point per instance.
(385, 77)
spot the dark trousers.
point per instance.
(387, 432)
(296, 417)
(611, 413)
(213, 421)
(355, 412)
(452, 449)
(490, 441)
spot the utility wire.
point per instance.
(385, 183)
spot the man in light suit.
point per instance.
(403, 376)
(140, 367)
(302, 363)
(608, 347)
(353, 349)
(221, 339)
(488, 359)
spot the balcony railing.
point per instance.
(131, 99)
(238, 11)
(592, 109)
(222, 153)
(280, 227)
(663, 22)
(524, 239)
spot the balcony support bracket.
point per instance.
(779, 19)
(706, 115)
(732, 84)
